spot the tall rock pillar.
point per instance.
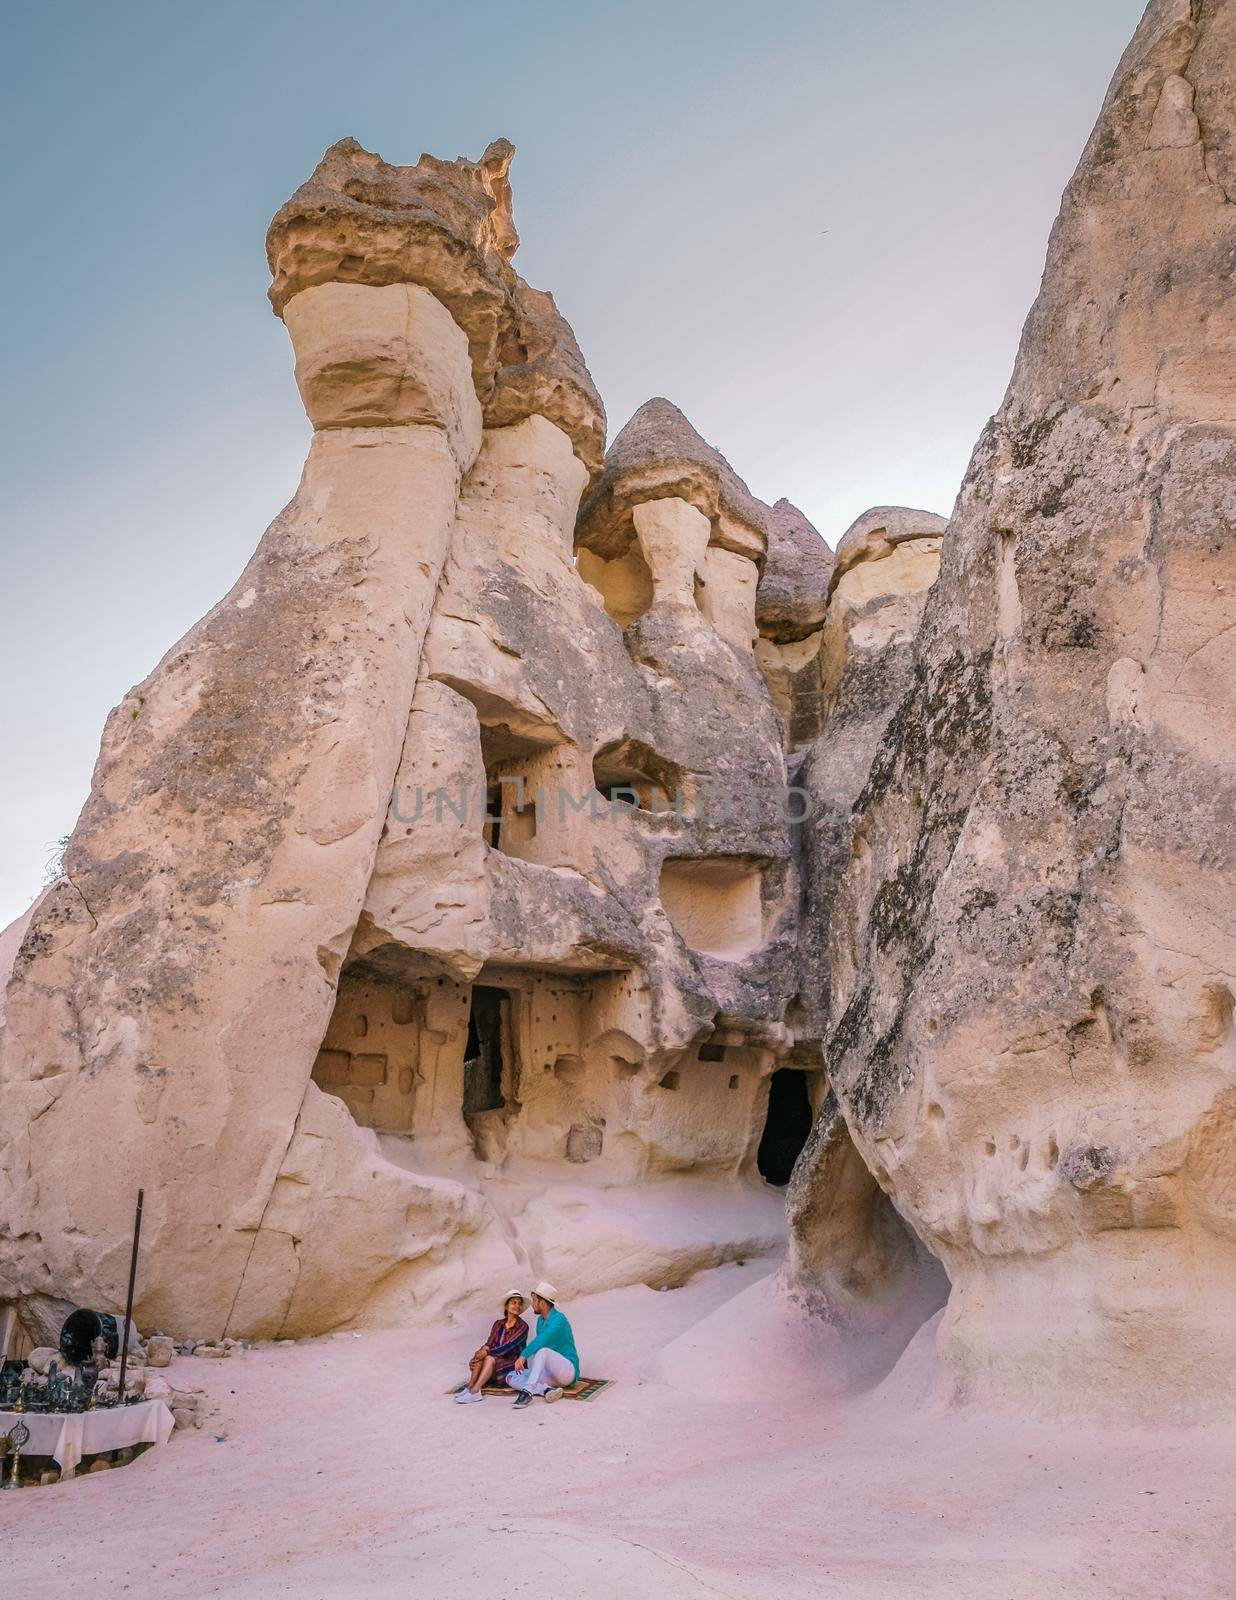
(1032, 952)
(171, 993)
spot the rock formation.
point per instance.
(434, 895)
(1030, 944)
(790, 606)
(853, 1261)
(885, 565)
(439, 910)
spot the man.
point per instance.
(550, 1360)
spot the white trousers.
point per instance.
(546, 1370)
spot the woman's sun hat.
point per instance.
(515, 1294)
(547, 1292)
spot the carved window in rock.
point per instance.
(630, 773)
(493, 816)
(520, 821)
(511, 817)
(715, 903)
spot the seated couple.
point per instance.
(542, 1367)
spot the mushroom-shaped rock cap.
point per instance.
(659, 455)
(447, 226)
(443, 224)
(875, 534)
(541, 369)
(793, 592)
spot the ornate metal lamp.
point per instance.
(18, 1438)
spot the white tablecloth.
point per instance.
(69, 1436)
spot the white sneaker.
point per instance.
(465, 1396)
(553, 1394)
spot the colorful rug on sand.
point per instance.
(581, 1389)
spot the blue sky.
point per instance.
(815, 227)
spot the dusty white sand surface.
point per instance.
(720, 1464)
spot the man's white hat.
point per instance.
(547, 1292)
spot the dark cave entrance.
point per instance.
(787, 1126)
(485, 1053)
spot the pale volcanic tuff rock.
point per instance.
(362, 1053)
(531, 678)
(886, 562)
(172, 989)
(352, 1040)
(1032, 948)
(446, 226)
(541, 372)
(659, 455)
(790, 606)
(840, 683)
(793, 591)
(526, 679)
(671, 518)
(878, 532)
(863, 670)
(852, 1261)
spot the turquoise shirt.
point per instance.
(554, 1333)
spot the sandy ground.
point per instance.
(338, 1468)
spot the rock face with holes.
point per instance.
(436, 916)
(171, 992)
(1031, 954)
(434, 893)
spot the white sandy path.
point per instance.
(346, 1472)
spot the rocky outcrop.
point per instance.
(426, 904)
(659, 455)
(447, 227)
(793, 591)
(863, 671)
(172, 989)
(437, 914)
(670, 516)
(853, 1263)
(879, 532)
(790, 606)
(1030, 966)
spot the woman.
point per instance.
(498, 1355)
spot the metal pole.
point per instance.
(128, 1310)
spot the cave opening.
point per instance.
(633, 774)
(486, 1051)
(624, 583)
(370, 1055)
(786, 1127)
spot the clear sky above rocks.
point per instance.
(816, 227)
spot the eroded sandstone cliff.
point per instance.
(1030, 944)
(434, 914)
(437, 913)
